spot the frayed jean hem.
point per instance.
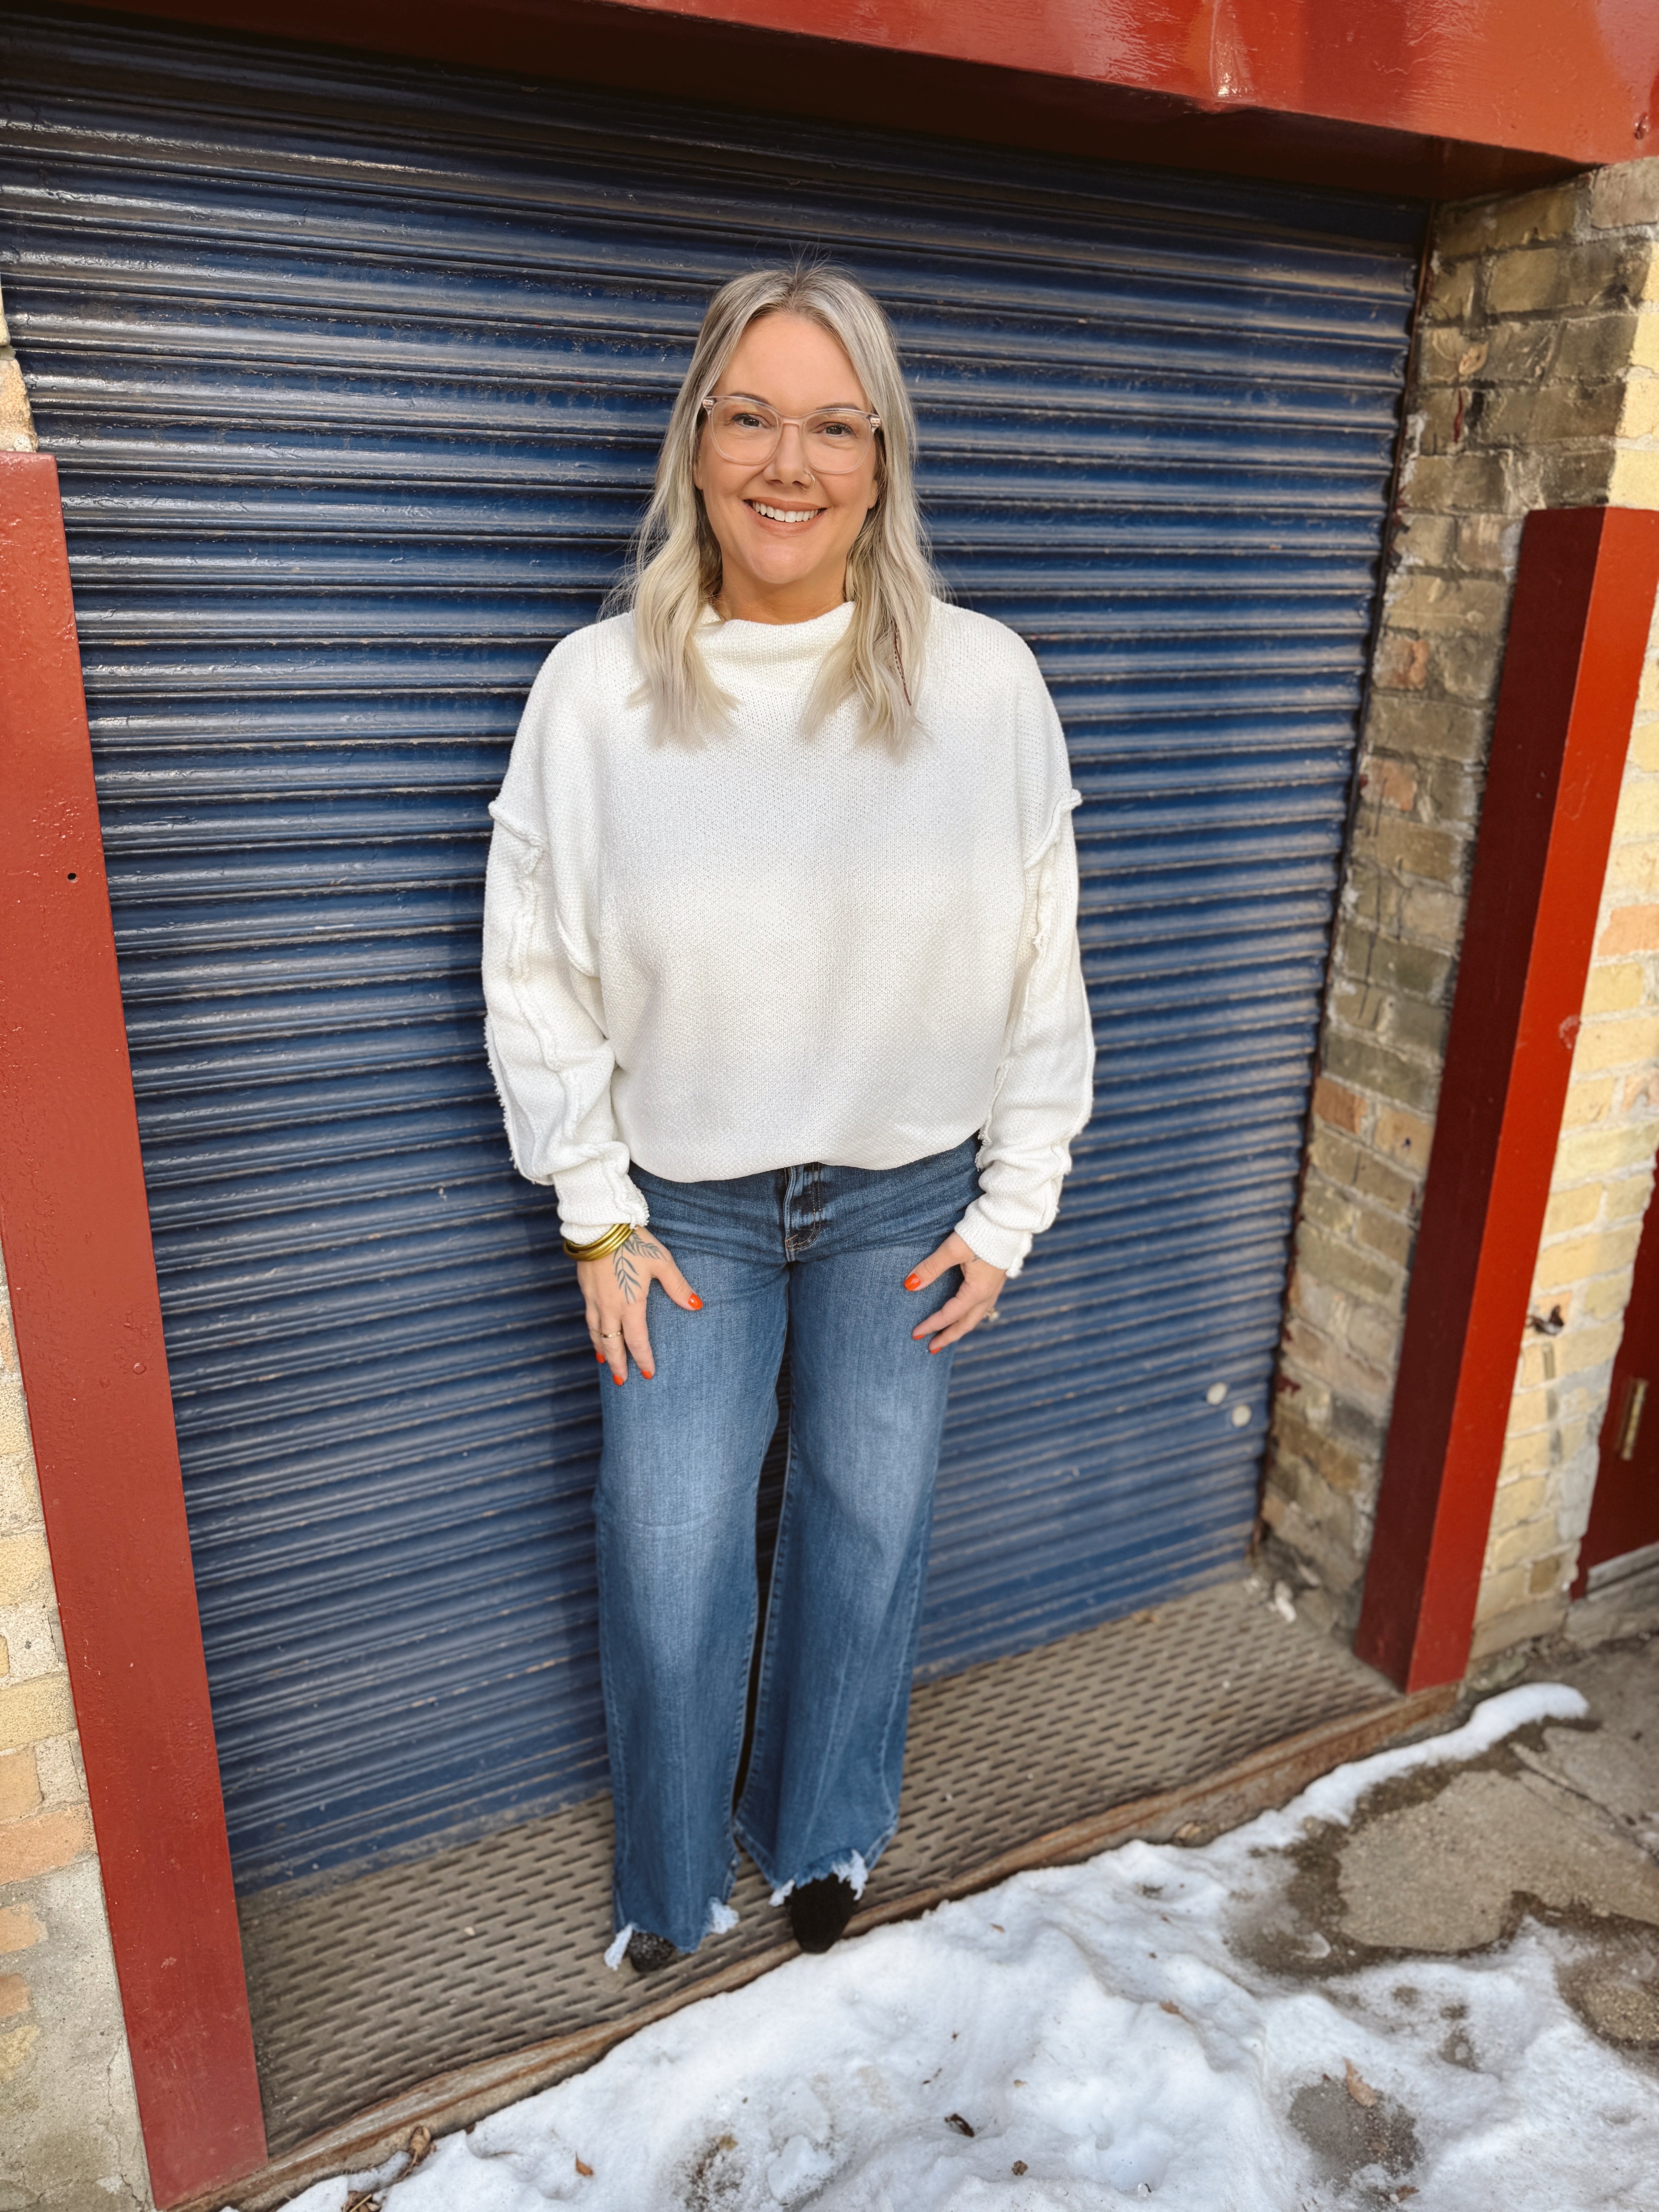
(722, 1918)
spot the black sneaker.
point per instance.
(819, 1911)
(646, 1953)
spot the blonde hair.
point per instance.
(676, 569)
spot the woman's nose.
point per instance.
(789, 461)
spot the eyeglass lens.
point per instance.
(745, 431)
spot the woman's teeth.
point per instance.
(785, 514)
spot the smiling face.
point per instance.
(784, 532)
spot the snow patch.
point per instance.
(1086, 2037)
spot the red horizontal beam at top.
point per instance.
(1469, 96)
(1557, 76)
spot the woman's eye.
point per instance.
(841, 431)
(746, 421)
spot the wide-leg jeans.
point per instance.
(821, 1254)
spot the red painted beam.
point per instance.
(75, 1228)
(1578, 631)
(1546, 75)
(1437, 99)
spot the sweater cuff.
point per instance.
(1002, 1247)
(594, 1192)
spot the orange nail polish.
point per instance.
(618, 1380)
(649, 1373)
(695, 1301)
(912, 1282)
(599, 1356)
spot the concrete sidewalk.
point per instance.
(1560, 1822)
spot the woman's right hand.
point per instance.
(614, 1293)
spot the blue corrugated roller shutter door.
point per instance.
(355, 374)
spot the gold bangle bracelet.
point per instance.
(602, 1246)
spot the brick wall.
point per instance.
(1533, 385)
(17, 422)
(70, 2134)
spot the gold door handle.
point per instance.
(1636, 1397)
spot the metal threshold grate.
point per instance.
(362, 1992)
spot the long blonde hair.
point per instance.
(676, 568)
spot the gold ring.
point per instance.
(604, 1333)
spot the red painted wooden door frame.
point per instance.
(76, 1227)
(1578, 632)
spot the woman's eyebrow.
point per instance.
(823, 407)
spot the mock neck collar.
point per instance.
(779, 652)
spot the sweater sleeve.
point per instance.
(545, 1033)
(1045, 1084)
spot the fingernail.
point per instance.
(693, 1300)
(618, 1380)
(649, 1373)
(599, 1356)
(912, 1282)
(936, 1348)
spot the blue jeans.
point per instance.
(822, 1252)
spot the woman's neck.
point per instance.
(742, 601)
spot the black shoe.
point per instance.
(819, 1911)
(645, 1953)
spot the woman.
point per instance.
(781, 919)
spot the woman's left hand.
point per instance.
(981, 1286)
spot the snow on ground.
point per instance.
(1085, 2037)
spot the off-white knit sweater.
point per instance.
(773, 949)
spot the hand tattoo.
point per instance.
(625, 1261)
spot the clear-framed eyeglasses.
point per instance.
(835, 439)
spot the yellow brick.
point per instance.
(1640, 417)
(1581, 1349)
(1530, 1409)
(1639, 810)
(1617, 1041)
(1645, 744)
(1520, 1546)
(24, 1561)
(20, 1784)
(1634, 870)
(1634, 481)
(32, 1711)
(14, 1996)
(19, 1929)
(1519, 1501)
(1644, 349)
(1626, 1198)
(1528, 1454)
(1577, 1259)
(15, 2046)
(44, 1842)
(1606, 1300)
(1590, 1155)
(13, 1423)
(1589, 1100)
(1616, 987)
(5, 1659)
(1500, 1591)
(1572, 1209)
